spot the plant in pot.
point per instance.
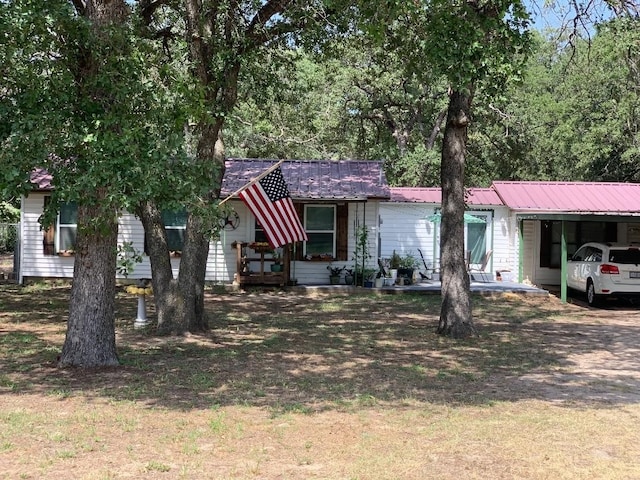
(368, 275)
(408, 264)
(276, 254)
(349, 276)
(334, 274)
(394, 265)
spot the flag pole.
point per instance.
(253, 180)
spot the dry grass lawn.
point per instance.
(295, 386)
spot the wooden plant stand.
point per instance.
(246, 274)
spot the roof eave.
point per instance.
(527, 212)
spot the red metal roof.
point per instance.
(416, 194)
(314, 179)
(475, 196)
(571, 197)
(482, 196)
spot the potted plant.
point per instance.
(368, 276)
(408, 263)
(334, 274)
(276, 266)
(394, 265)
(349, 276)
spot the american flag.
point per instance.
(269, 200)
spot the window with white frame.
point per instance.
(67, 227)
(175, 224)
(476, 237)
(320, 224)
(259, 234)
(477, 228)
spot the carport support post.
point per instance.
(563, 263)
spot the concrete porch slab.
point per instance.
(433, 288)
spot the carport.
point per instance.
(554, 218)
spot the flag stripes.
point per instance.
(269, 200)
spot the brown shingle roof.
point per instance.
(314, 179)
(41, 179)
(307, 179)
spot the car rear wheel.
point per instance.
(592, 298)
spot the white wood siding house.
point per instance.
(522, 222)
(408, 225)
(353, 190)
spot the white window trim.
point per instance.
(486, 214)
(333, 231)
(58, 237)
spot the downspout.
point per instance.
(436, 230)
(20, 266)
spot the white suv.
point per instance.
(605, 269)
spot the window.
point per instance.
(61, 236)
(580, 255)
(175, 224)
(327, 226)
(476, 240)
(259, 236)
(320, 224)
(67, 227)
(477, 228)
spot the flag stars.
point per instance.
(275, 186)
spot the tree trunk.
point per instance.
(455, 313)
(90, 339)
(165, 288)
(191, 279)
(180, 301)
(193, 264)
(219, 82)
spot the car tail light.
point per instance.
(610, 269)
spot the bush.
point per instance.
(8, 237)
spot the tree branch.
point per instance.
(436, 129)
(148, 9)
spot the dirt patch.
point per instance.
(286, 385)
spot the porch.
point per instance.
(432, 287)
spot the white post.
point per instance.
(141, 319)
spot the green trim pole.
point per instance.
(563, 264)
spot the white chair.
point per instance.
(479, 273)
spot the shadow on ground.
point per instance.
(293, 352)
